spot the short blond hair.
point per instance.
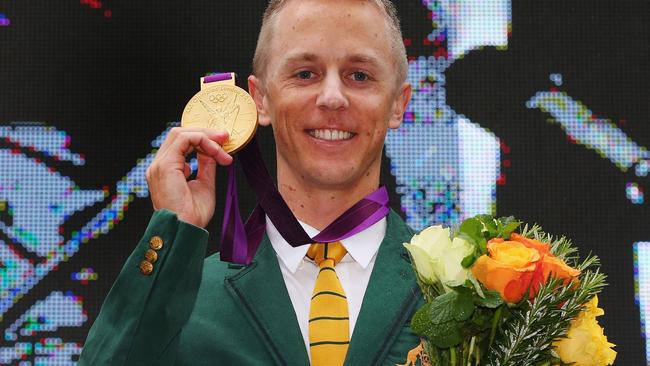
(395, 34)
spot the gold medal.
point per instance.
(222, 105)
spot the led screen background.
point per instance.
(537, 109)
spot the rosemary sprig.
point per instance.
(527, 337)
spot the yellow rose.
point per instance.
(586, 344)
(437, 257)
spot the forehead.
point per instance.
(331, 28)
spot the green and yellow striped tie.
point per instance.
(329, 332)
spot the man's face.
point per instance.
(330, 91)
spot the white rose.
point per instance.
(438, 258)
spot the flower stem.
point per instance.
(471, 350)
(464, 354)
(452, 351)
(495, 323)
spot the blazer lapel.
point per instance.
(260, 290)
(389, 301)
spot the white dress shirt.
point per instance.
(354, 270)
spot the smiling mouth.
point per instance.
(331, 135)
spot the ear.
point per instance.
(402, 99)
(258, 92)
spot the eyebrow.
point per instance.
(311, 57)
(305, 56)
(364, 59)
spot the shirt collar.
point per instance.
(361, 246)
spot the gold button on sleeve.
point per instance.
(156, 243)
(146, 268)
(151, 256)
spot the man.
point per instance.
(329, 77)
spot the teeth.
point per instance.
(331, 135)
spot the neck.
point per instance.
(319, 205)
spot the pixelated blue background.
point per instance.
(534, 109)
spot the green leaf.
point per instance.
(506, 226)
(482, 244)
(457, 304)
(420, 323)
(492, 299)
(473, 228)
(468, 261)
(481, 319)
(441, 309)
(440, 321)
(489, 226)
(445, 335)
(463, 305)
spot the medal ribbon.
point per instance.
(240, 241)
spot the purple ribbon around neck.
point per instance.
(240, 241)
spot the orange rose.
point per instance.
(508, 269)
(550, 263)
(542, 248)
(515, 266)
(557, 268)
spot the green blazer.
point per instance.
(191, 311)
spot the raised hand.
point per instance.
(167, 176)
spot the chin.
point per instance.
(333, 175)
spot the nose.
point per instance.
(332, 94)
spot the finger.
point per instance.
(223, 158)
(219, 136)
(216, 135)
(187, 171)
(169, 139)
(207, 169)
(188, 141)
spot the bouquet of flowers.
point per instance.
(494, 296)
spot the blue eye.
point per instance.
(359, 76)
(305, 75)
